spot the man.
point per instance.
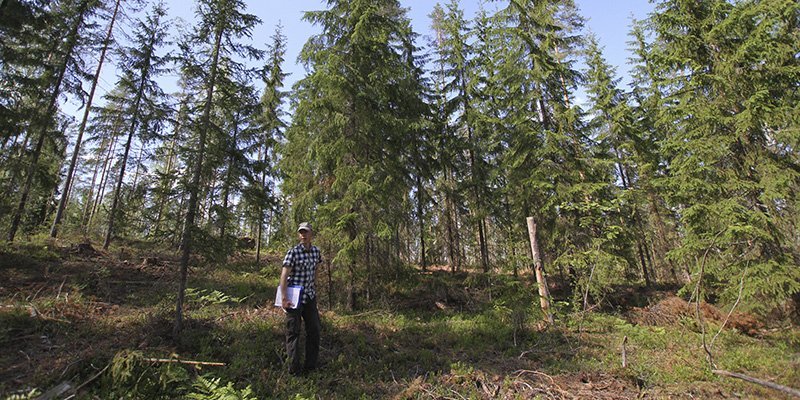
(300, 269)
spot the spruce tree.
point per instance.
(221, 23)
(343, 160)
(58, 70)
(272, 129)
(87, 107)
(730, 95)
(613, 126)
(139, 98)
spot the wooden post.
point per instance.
(624, 352)
(544, 294)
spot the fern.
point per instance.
(205, 297)
(209, 388)
(32, 394)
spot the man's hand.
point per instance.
(286, 303)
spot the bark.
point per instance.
(104, 176)
(422, 260)
(544, 294)
(262, 155)
(226, 188)
(166, 185)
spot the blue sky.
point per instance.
(609, 20)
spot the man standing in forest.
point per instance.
(300, 269)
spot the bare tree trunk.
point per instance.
(62, 204)
(544, 294)
(226, 183)
(104, 177)
(330, 282)
(121, 176)
(451, 240)
(165, 186)
(420, 214)
(137, 173)
(89, 201)
(262, 155)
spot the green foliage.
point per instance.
(209, 388)
(27, 395)
(131, 375)
(205, 297)
(716, 61)
(596, 273)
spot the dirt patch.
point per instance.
(672, 310)
(579, 386)
(525, 384)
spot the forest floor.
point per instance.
(94, 324)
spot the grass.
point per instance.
(433, 335)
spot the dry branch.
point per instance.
(95, 376)
(175, 360)
(56, 391)
(771, 385)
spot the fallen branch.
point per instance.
(771, 385)
(79, 387)
(56, 391)
(175, 360)
(524, 371)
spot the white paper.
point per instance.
(294, 296)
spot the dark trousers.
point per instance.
(310, 315)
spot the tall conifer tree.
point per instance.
(140, 101)
(221, 23)
(730, 95)
(343, 159)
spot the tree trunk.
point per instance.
(118, 188)
(62, 204)
(450, 222)
(544, 294)
(194, 188)
(420, 214)
(138, 173)
(226, 184)
(104, 177)
(262, 155)
(166, 185)
(44, 121)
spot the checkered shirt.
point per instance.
(304, 267)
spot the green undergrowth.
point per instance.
(419, 336)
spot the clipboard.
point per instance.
(293, 292)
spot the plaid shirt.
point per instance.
(304, 268)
